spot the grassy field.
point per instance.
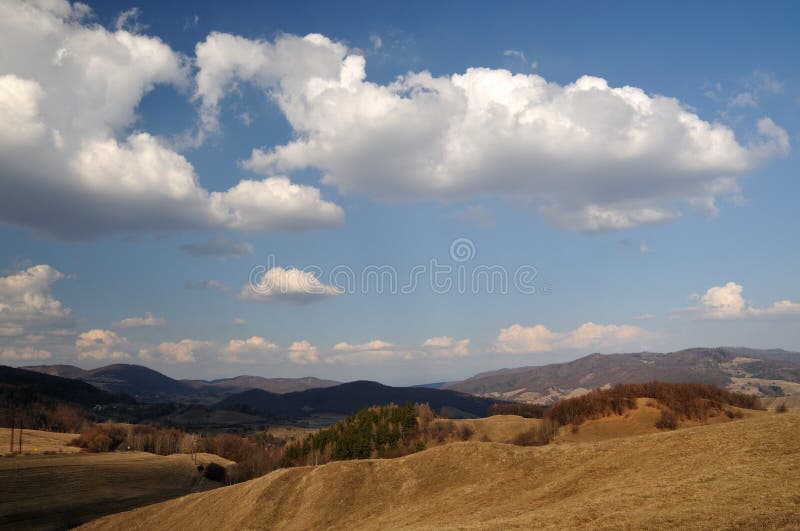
(38, 442)
(60, 491)
(743, 474)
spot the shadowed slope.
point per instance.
(742, 474)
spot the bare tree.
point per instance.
(12, 432)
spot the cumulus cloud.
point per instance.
(68, 99)
(182, 351)
(588, 156)
(149, 320)
(518, 339)
(99, 344)
(27, 302)
(378, 350)
(446, 347)
(294, 285)
(371, 351)
(23, 354)
(303, 353)
(727, 302)
(254, 345)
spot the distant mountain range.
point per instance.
(767, 372)
(348, 398)
(148, 385)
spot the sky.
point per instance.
(404, 192)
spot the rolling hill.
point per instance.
(348, 398)
(273, 385)
(747, 370)
(26, 385)
(149, 386)
(737, 475)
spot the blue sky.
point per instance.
(660, 217)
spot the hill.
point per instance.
(26, 385)
(61, 491)
(740, 474)
(346, 399)
(273, 385)
(767, 372)
(149, 386)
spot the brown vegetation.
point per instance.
(729, 475)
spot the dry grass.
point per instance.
(732, 475)
(497, 428)
(38, 442)
(59, 491)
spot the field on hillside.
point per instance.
(38, 442)
(60, 491)
(743, 474)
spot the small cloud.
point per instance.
(643, 317)
(292, 285)
(743, 99)
(24, 354)
(376, 41)
(255, 345)
(129, 21)
(518, 339)
(727, 303)
(238, 321)
(99, 344)
(520, 56)
(303, 353)
(644, 248)
(183, 351)
(149, 320)
(245, 118)
(217, 247)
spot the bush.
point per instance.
(99, 443)
(466, 432)
(734, 414)
(781, 408)
(668, 421)
(215, 472)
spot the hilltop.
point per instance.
(714, 474)
(348, 398)
(766, 372)
(150, 386)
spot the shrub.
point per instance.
(781, 408)
(734, 414)
(420, 446)
(215, 472)
(99, 443)
(466, 432)
(667, 421)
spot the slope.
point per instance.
(743, 474)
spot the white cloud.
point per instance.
(68, 99)
(371, 351)
(98, 344)
(303, 353)
(643, 317)
(590, 157)
(254, 345)
(149, 320)
(217, 247)
(183, 351)
(27, 303)
(238, 321)
(518, 339)
(446, 347)
(24, 354)
(379, 351)
(294, 285)
(727, 302)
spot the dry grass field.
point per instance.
(743, 474)
(38, 442)
(60, 491)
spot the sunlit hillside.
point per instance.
(741, 474)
